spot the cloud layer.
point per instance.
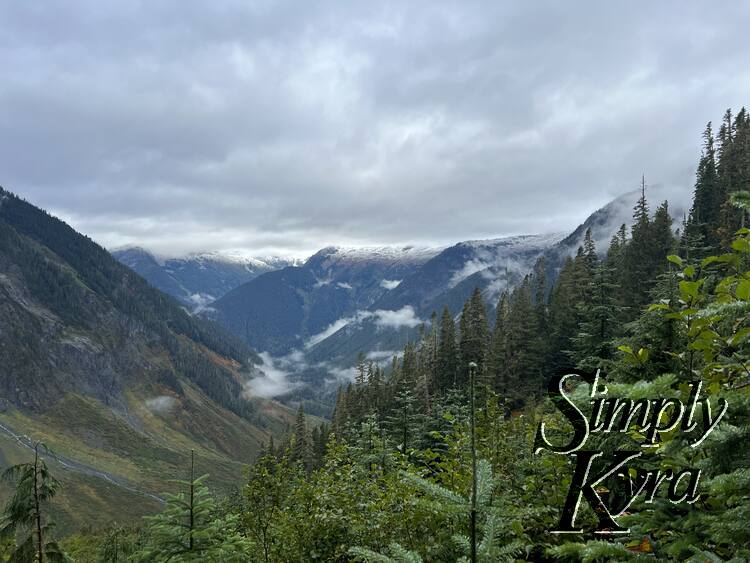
(283, 127)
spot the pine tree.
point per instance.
(360, 377)
(523, 343)
(403, 421)
(498, 355)
(301, 450)
(409, 367)
(25, 511)
(427, 358)
(705, 215)
(189, 528)
(563, 318)
(447, 367)
(588, 252)
(474, 336)
(592, 345)
(644, 256)
(663, 240)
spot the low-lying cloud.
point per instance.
(404, 317)
(390, 284)
(201, 302)
(382, 318)
(161, 403)
(272, 379)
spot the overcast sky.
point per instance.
(284, 127)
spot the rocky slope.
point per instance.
(114, 376)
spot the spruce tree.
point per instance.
(523, 343)
(474, 336)
(190, 528)
(592, 346)
(498, 355)
(25, 511)
(563, 317)
(702, 226)
(447, 367)
(301, 450)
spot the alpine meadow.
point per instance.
(424, 282)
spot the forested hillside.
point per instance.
(114, 376)
(411, 450)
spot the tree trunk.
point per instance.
(37, 509)
(473, 521)
(192, 494)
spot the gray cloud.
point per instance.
(284, 127)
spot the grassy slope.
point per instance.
(81, 429)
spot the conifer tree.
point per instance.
(301, 450)
(403, 421)
(474, 336)
(702, 226)
(409, 364)
(523, 343)
(189, 528)
(360, 377)
(563, 318)
(593, 343)
(447, 367)
(498, 355)
(25, 511)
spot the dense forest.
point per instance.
(449, 428)
(36, 241)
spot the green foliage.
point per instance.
(391, 480)
(24, 516)
(191, 528)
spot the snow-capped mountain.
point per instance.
(282, 310)
(198, 279)
(446, 280)
(491, 265)
(346, 300)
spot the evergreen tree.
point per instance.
(301, 449)
(523, 344)
(592, 345)
(662, 241)
(447, 367)
(403, 421)
(498, 355)
(474, 335)
(25, 514)
(703, 223)
(190, 528)
(360, 377)
(637, 257)
(563, 318)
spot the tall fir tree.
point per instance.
(701, 232)
(498, 354)
(447, 368)
(25, 514)
(474, 335)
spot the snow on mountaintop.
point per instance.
(232, 256)
(379, 253)
(241, 257)
(513, 253)
(519, 242)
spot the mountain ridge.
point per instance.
(115, 376)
